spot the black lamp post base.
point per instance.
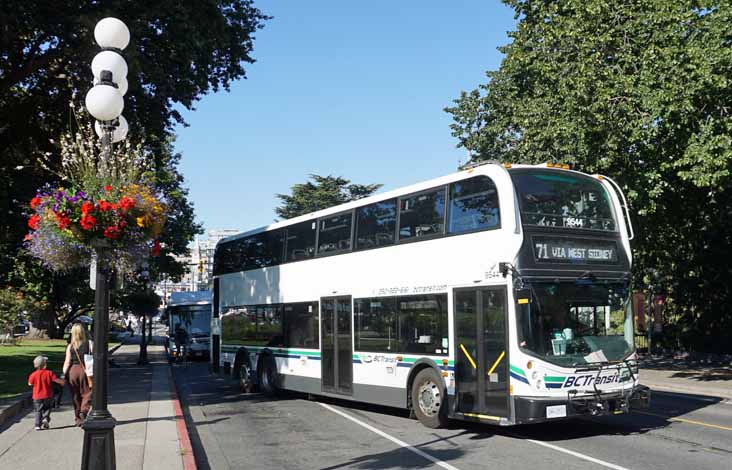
(98, 453)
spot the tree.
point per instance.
(319, 193)
(639, 91)
(178, 53)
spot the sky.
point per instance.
(352, 89)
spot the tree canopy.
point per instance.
(319, 193)
(639, 91)
(179, 51)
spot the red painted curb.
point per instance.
(186, 450)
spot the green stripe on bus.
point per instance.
(517, 370)
(274, 350)
(554, 379)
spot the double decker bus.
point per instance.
(497, 294)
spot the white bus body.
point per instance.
(472, 281)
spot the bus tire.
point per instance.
(243, 373)
(268, 376)
(429, 398)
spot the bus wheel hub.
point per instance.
(429, 398)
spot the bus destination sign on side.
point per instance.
(569, 250)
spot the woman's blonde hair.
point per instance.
(78, 335)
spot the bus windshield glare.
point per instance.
(563, 199)
(573, 324)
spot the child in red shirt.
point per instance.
(41, 381)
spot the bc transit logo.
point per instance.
(590, 379)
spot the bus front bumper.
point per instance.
(535, 409)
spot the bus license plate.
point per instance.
(557, 411)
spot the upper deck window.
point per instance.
(376, 224)
(335, 233)
(562, 199)
(301, 241)
(422, 215)
(473, 205)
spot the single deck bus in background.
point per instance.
(498, 294)
(192, 312)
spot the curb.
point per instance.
(25, 399)
(16, 408)
(186, 449)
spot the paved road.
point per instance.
(232, 431)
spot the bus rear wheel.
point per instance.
(429, 399)
(268, 377)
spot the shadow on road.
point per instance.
(198, 386)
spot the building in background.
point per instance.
(202, 256)
(199, 262)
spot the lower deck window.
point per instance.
(414, 324)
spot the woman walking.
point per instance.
(75, 372)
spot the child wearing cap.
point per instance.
(41, 380)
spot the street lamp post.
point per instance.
(105, 103)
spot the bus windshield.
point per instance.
(563, 199)
(575, 323)
(196, 319)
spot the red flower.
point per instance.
(111, 232)
(27, 237)
(87, 207)
(156, 248)
(62, 221)
(104, 206)
(35, 202)
(87, 222)
(126, 203)
(107, 188)
(33, 222)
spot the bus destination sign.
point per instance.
(570, 250)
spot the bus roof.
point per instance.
(414, 188)
(201, 297)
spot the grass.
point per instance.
(16, 363)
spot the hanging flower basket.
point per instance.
(68, 224)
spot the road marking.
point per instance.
(684, 420)
(571, 452)
(393, 439)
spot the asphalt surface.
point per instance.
(231, 430)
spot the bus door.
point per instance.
(481, 365)
(336, 345)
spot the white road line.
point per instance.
(395, 440)
(576, 454)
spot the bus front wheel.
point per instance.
(429, 398)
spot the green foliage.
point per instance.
(319, 193)
(179, 51)
(640, 91)
(140, 301)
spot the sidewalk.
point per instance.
(680, 376)
(146, 436)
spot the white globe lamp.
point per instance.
(104, 102)
(113, 33)
(119, 133)
(122, 86)
(109, 60)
